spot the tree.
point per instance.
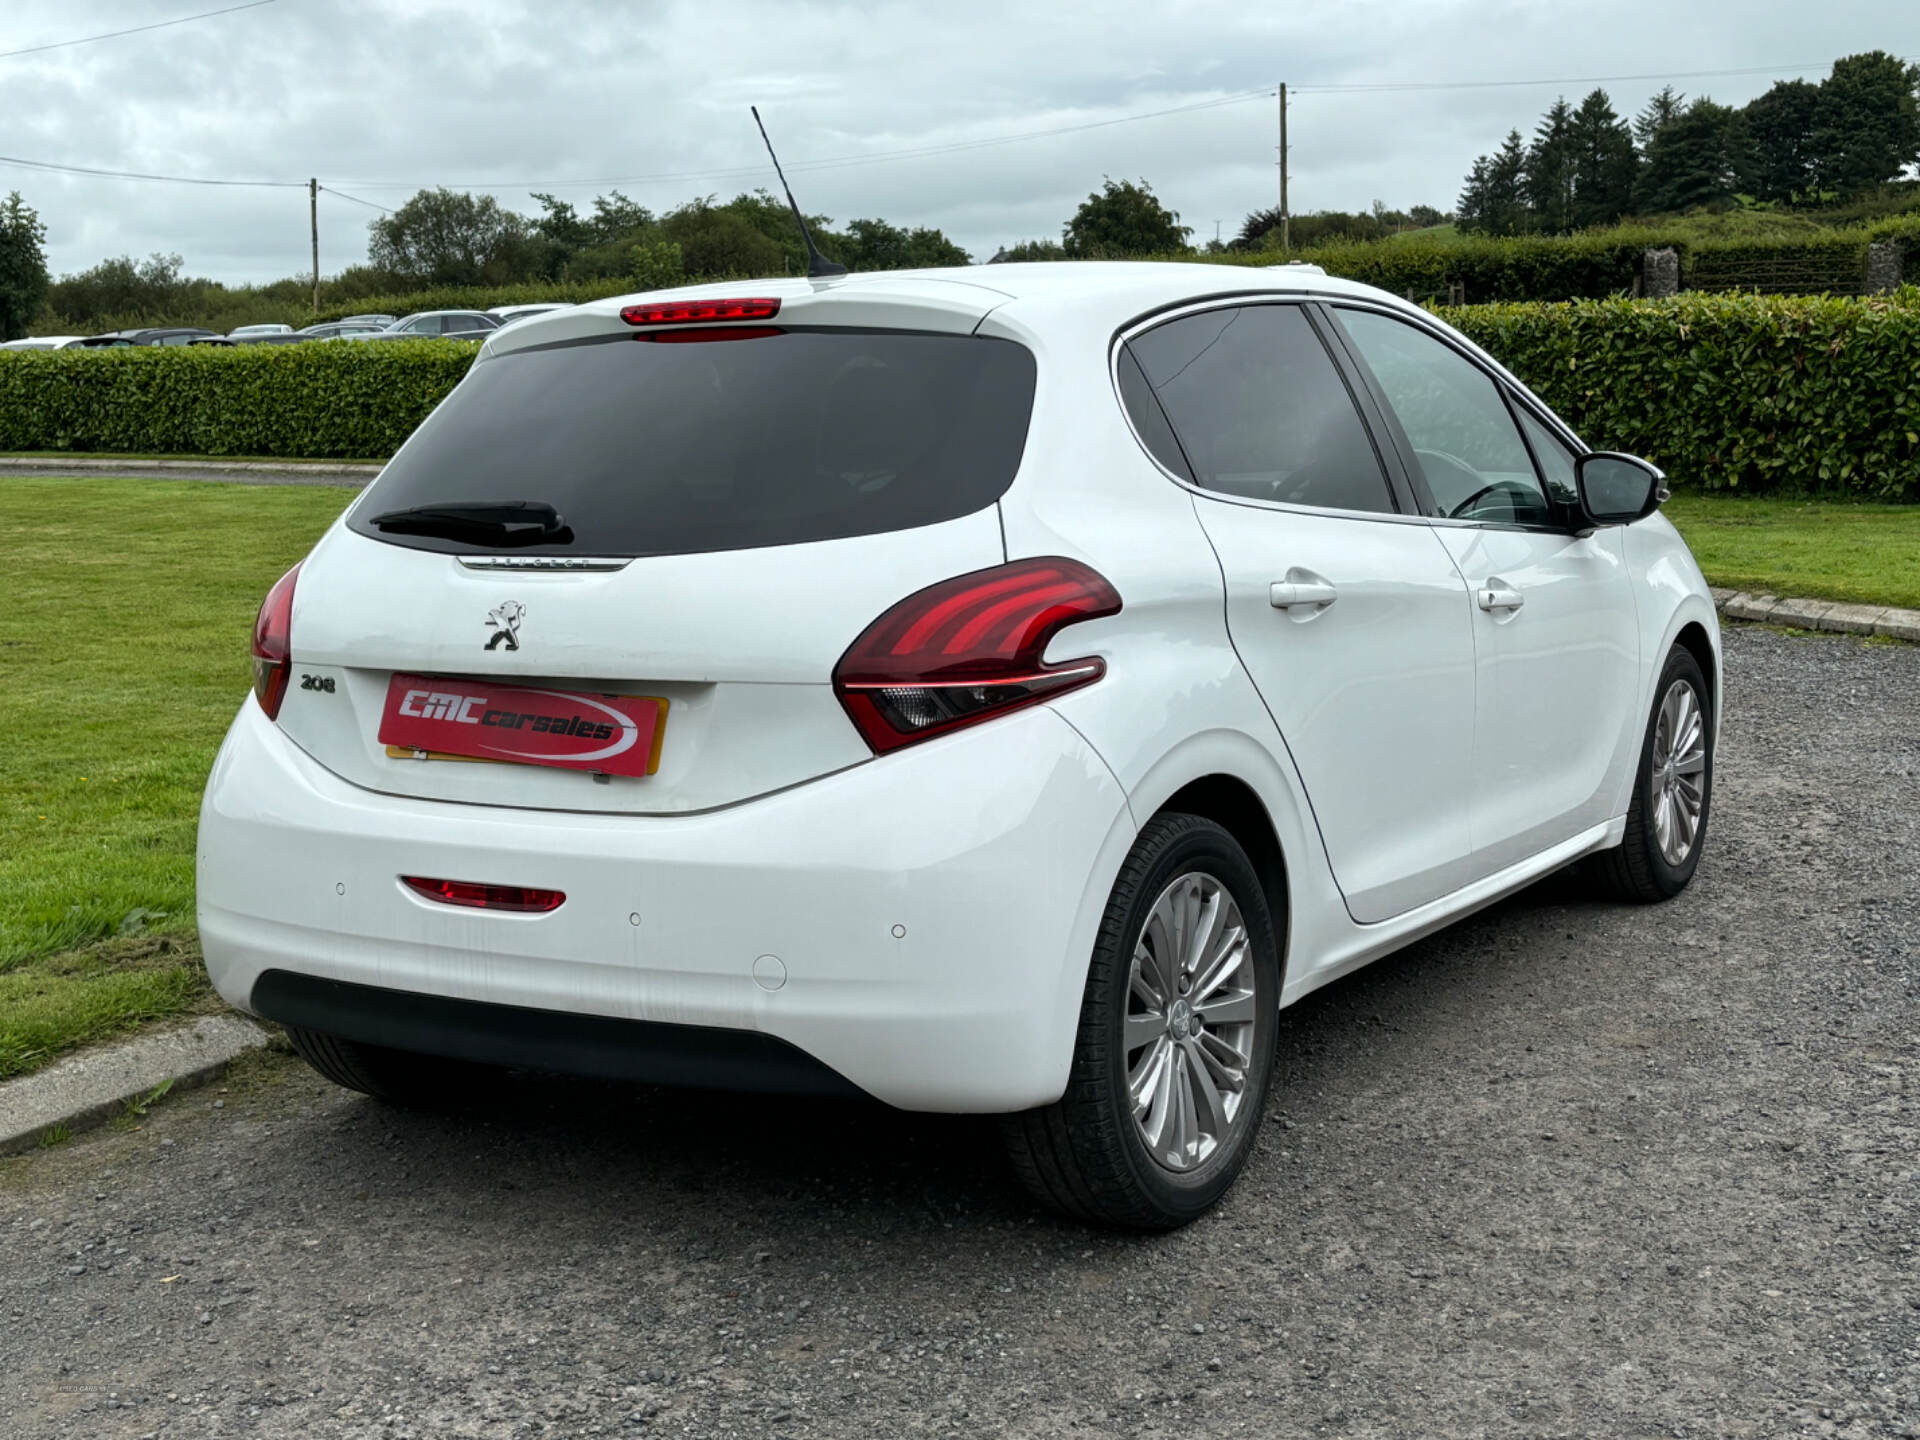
(876, 245)
(1550, 170)
(23, 266)
(1661, 111)
(1867, 123)
(1781, 123)
(1699, 158)
(1495, 199)
(1604, 163)
(718, 240)
(447, 237)
(1425, 216)
(1028, 250)
(1123, 219)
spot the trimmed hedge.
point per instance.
(298, 401)
(1596, 264)
(1754, 393)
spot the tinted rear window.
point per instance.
(666, 449)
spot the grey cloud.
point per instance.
(423, 91)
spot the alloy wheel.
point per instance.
(1190, 1022)
(1679, 777)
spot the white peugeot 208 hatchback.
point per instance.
(994, 690)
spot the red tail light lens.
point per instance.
(700, 312)
(516, 898)
(969, 649)
(272, 645)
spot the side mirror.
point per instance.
(1618, 489)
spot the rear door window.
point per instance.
(1259, 409)
(652, 448)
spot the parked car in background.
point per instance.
(43, 342)
(995, 698)
(440, 325)
(379, 322)
(158, 335)
(245, 331)
(508, 314)
(341, 330)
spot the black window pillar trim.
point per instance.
(1404, 479)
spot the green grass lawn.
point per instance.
(123, 656)
(183, 459)
(1869, 554)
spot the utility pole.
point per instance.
(1286, 232)
(313, 218)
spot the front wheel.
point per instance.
(1672, 791)
(1176, 1039)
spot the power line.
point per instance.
(827, 162)
(135, 30)
(48, 165)
(1402, 87)
(329, 190)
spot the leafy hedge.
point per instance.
(1754, 393)
(1767, 393)
(1597, 264)
(310, 401)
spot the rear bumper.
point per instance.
(919, 925)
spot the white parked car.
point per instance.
(992, 691)
(43, 342)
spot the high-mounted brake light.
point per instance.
(969, 649)
(516, 898)
(700, 312)
(273, 644)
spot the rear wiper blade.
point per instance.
(487, 522)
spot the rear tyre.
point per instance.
(1672, 792)
(399, 1077)
(1176, 1040)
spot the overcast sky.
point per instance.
(379, 97)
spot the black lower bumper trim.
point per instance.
(524, 1038)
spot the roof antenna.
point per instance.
(818, 266)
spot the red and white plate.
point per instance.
(480, 720)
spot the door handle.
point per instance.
(1286, 594)
(1498, 595)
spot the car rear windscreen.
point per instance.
(648, 447)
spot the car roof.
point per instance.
(1103, 293)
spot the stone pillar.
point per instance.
(1883, 267)
(1661, 269)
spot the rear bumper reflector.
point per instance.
(516, 898)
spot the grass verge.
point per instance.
(57, 1002)
(1821, 550)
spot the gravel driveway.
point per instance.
(1567, 1170)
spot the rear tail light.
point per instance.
(516, 898)
(700, 312)
(272, 645)
(969, 649)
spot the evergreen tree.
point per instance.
(1781, 123)
(1507, 212)
(1661, 111)
(1604, 163)
(1867, 123)
(1494, 201)
(1550, 169)
(1699, 158)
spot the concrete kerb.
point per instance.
(1830, 615)
(90, 1088)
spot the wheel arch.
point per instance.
(1232, 804)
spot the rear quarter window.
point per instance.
(651, 448)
